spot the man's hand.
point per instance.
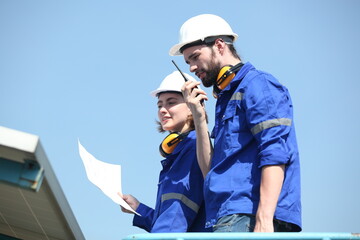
(194, 98)
(272, 178)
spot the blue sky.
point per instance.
(84, 69)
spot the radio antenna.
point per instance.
(182, 74)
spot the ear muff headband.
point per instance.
(169, 143)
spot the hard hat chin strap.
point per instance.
(226, 39)
(207, 41)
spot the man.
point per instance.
(252, 176)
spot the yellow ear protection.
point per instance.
(226, 74)
(169, 143)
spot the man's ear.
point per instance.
(220, 46)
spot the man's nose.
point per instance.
(193, 68)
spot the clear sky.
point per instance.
(84, 69)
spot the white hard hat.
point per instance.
(200, 27)
(172, 83)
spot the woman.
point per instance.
(179, 203)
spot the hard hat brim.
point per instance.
(157, 91)
(172, 83)
(175, 50)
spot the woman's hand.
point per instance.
(132, 201)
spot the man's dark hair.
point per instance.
(233, 51)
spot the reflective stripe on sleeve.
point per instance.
(269, 124)
(189, 203)
(237, 96)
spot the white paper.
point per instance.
(105, 176)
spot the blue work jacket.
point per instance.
(179, 203)
(253, 128)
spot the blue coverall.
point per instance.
(179, 203)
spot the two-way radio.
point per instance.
(185, 78)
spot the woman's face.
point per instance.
(173, 112)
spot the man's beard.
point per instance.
(212, 73)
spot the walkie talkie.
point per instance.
(185, 78)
